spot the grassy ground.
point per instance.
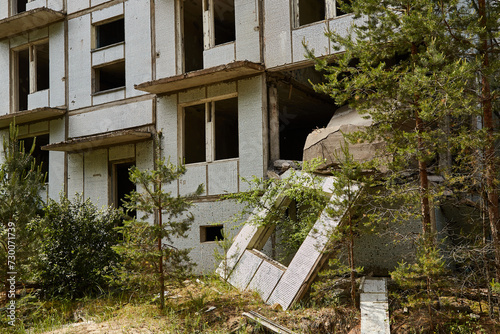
(203, 305)
(208, 305)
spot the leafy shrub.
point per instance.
(76, 251)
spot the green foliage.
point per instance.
(147, 248)
(76, 250)
(21, 183)
(292, 202)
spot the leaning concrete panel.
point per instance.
(250, 124)
(76, 5)
(56, 159)
(219, 55)
(277, 32)
(75, 174)
(137, 45)
(245, 270)
(96, 176)
(314, 36)
(110, 119)
(4, 79)
(247, 30)
(165, 41)
(80, 79)
(57, 65)
(222, 177)
(266, 278)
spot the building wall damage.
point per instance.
(225, 81)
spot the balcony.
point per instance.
(29, 20)
(30, 116)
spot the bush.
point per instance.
(76, 252)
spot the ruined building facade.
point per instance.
(226, 81)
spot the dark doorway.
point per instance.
(193, 35)
(123, 186)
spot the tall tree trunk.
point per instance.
(490, 156)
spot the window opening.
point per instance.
(226, 129)
(41, 157)
(20, 6)
(211, 131)
(110, 33)
(193, 35)
(194, 134)
(224, 21)
(311, 11)
(122, 184)
(23, 78)
(109, 76)
(32, 72)
(42, 66)
(211, 233)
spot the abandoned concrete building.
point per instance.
(225, 81)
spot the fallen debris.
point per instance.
(272, 326)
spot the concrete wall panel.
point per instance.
(75, 174)
(80, 78)
(108, 97)
(192, 95)
(247, 30)
(277, 28)
(195, 175)
(56, 159)
(57, 65)
(165, 41)
(111, 119)
(166, 121)
(4, 78)
(97, 2)
(38, 127)
(341, 26)
(38, 34)
(96, 176)
(108, 55)
(137, 45)
(221, 89)
(219, 55)
(314, 36)
(57, 5)
(122, 152)
(222, 177)
(107, 13)
(19, 40)
(251, 124)
(4, 9)
(76, 5)
(38, 99)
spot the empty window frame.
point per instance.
(41, 157)
(18, 6)
(219, 22)
(31, 72)
(109, 76)
(210, 131)
(211, 233)
(109, 33)
(310, 11)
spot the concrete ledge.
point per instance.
(29, 20)
(30, 116)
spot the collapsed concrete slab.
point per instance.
(327, 142)
(246, 268)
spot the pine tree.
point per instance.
(21, 183)
(149, 255)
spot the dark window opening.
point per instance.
(110, 33)
(226, 129)
(224, 21)
(193, 35)
(301, 110)
(41, 157)
(211, 233)
(21, 6)
(110, 76)
(23, 79)
(42, 66)
(311, 11)
(123, 185)
(339, 7)
(194, 134)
